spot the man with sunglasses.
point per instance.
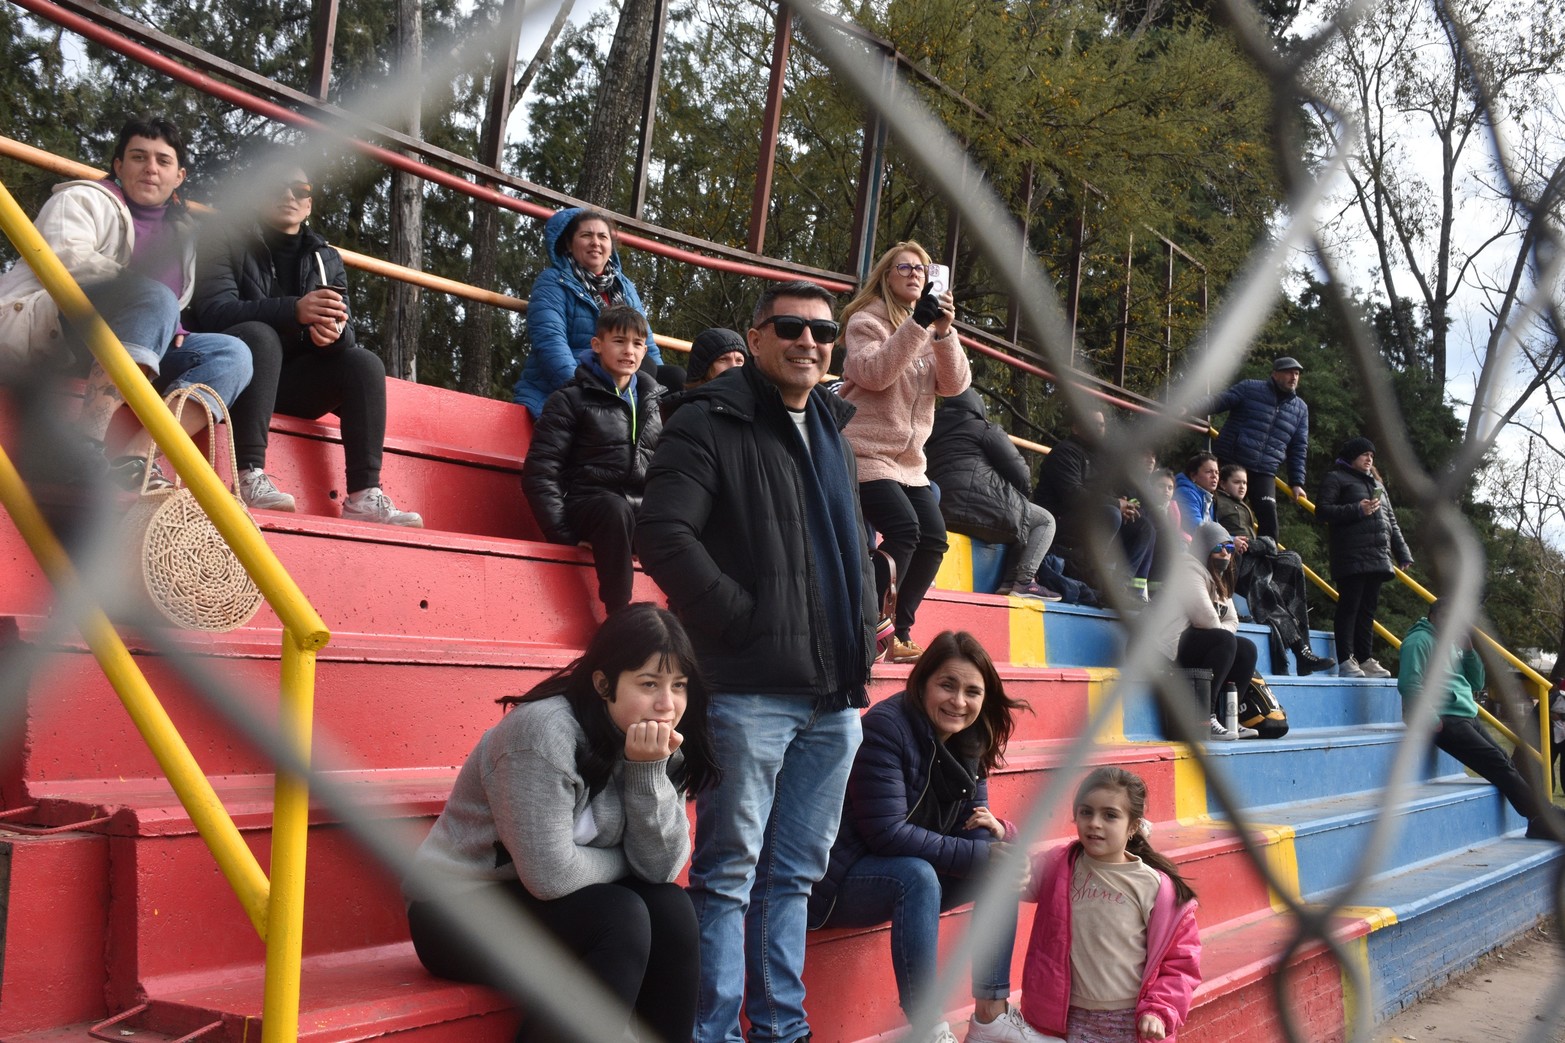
(751, 525)
(272, 281)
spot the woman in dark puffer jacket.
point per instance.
(1365, 542)
(917, 832)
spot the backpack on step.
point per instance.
(1259, 709)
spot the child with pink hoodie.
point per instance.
(1115, 953)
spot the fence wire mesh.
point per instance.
(543, 976)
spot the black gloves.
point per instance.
(926, 309)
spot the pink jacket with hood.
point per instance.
(1173, 967)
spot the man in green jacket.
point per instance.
(1458, 732)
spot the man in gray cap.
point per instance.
(1268, 425)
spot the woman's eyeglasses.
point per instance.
(1224, 548)
(911, 269)
(792, 327)
(300, 190)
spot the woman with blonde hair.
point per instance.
(901, 354)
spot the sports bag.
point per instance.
(1259, 709)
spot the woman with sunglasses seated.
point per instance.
(901, 353)
(1205, 634)
(272, 281)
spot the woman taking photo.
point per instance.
(573, 809)
(917, 831)
(900, 355)
(582, 279)
(1205, 635)
(1365, 541)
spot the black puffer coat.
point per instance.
(722, 532)
(890, 779)
(582, 446)
(982, 477)
(1360, 544)
(235, 283)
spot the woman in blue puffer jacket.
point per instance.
(917, 832)
(583, 278)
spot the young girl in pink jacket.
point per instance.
(1114, 954)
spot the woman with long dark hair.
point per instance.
(917, 831)
(1206, 633)
(573, 809)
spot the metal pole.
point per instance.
(649, 110)
(1122, 340)
(771, 124)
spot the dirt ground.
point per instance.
(1501, 1000)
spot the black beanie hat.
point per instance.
(707, 346)
(1354, 448)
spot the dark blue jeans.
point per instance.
(908, 892)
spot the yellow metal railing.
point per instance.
(1541, 752)
(274, 902)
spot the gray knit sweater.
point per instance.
(520, 810)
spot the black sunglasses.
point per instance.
(300, 190)
(791, 327)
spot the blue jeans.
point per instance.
(908, 892)
(762, 839)
(144, 315)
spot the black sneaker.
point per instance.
(1538, 829)
(128, 472)
(1310, 663)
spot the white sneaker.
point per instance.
(941, 1033)
(1009, 1027)
(258, 491)
(1349, 667)
(372, 505)
(1372, 668)
(1216, 728)
(1247, 733)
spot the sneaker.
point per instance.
(1009, 1027)
(1310, 663)
(127, 472)
(1538, 829)
(1349, 668)
(1373, 669)
(258, 491)
(941, 1033)
(372, 505)
(1032, 590)
(901, 651)
(1247, 733)
(1216, 728)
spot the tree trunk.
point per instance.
(407, 206)
(614, 120)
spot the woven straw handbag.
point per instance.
(187, 573)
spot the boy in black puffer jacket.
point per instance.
(587, 465)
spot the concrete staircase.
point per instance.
(121, 908)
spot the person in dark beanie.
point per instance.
(1268, 426)
(1365, 542)
(712, 353)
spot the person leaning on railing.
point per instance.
(129, 242)
(276, 285)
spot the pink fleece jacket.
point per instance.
(893, 377)
(1173, 949)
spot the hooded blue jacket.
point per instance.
(562, 316)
